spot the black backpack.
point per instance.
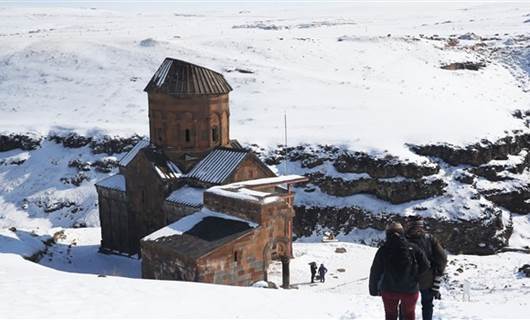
(401, 257)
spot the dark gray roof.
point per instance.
(207, 234)
(215, 228)
(218, 165)
(193, 247)
(177, 77)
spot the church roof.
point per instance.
(115, 182)
(133, 152)
(201, 232)
(218, 165)
(165, 168)
(177, 77)
(187, 196)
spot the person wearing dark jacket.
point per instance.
(322, 272)
(313, 267)
(429, 281)
(394, 273)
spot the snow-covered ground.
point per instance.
(363, 75)
(56, 287)
(358, 74)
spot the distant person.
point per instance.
(313, 267)
(429, 281)
(394, 273)
(322, 272)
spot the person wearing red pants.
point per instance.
(395, 271)
(392, 300)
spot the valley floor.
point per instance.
(69, 282)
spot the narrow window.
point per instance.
(215, 134)
(188, 135)
(159, 134)
(237, 256)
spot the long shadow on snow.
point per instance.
(87, 259)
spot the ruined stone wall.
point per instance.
(233, 206)
(174, 212)
(240, 262)
(246, 260)
(160, 262)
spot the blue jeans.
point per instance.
(426, 305)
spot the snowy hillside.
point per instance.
(365, 76)
(378, 125)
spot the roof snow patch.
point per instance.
(115, 182)
(134, 151)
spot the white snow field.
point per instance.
(33, 290)
(355, 74)
(366, 76)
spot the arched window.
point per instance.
(188, 135)
(215, 134)
(159, 134)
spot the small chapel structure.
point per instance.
(194, 204)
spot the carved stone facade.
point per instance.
(240, 257)
(161, 182)
(188, 124)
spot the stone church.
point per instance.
(194, 204)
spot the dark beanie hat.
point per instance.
(416, 222)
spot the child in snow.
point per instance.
(322, 272)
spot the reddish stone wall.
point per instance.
(146, 193)
(240, 262)
(246, 260)
(250, 169)
(236, 207)
(191, 124)
(174, 212)
(162, 263)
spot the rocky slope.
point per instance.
(466, 194)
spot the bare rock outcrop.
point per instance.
(112, 145)
(394, 190)
(476, 154)
(71, 140)
(387, 167)
(479, 236)
(19, 141)
(517, 200)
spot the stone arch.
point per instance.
(187, 128)
(274, 250)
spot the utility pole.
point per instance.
(285, 142)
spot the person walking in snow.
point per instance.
(429, 281)
(322, 272)
(313, 267)
(394, 273)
